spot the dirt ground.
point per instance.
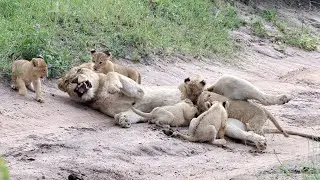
(60, 137)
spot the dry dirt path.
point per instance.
(60, 137)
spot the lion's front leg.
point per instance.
(125, 119)
(118, 83)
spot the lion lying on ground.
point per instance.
(179, 114)
(114, 94)
(227, 84)
(231, 87)
(209, 126)
(103, 64)
(27, 74)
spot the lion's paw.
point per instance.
(284, 99)
(258, 140)
(168, 132)
(123, 121)
(113, 89)
(40, 100)
(13, 87)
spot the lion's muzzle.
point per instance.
(82, 88)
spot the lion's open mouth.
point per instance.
(82, 88)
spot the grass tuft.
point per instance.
(4, 172)
(64, 31)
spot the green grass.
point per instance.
(258, 29)
(63, 31)
(298, 37)
(4, 172)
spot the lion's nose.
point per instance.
(74, 80)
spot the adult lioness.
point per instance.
(114, 94)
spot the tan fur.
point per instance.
(103, 64)
(240, 89)
(191, 88)
(114, 94)
(209, 126)
(64, 79)
(179, 114)
(27, 74)
(249, 113)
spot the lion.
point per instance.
(27, 74)
(176, 115)
(192, 89)
(103, 64)
(114, 94)
(236, 130)
(229, 86)
(250, 113)
(209, 126)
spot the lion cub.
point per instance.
(208, 126)
(103, 64)
(179, 114)
(27, 74)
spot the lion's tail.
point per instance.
(139, 78)
(140, 113)
(275, 122)
(309, 136)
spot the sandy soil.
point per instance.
(60, 137)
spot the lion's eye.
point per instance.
(100, 62)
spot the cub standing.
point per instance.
(27, 74)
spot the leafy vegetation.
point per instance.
(298, 37)
(4, 172)
(64, 31)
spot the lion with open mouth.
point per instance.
(114, 94)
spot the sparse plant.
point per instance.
(4, 171)
(269, 15)
(301, 38)
(259, 29)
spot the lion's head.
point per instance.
(210, 97)
(40, 67)
(100, 59)
(191, 88)
(80, 83)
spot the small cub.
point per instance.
(103, 64)
(179, 114)
(208, 126)
(27, 74)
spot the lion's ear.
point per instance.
(208, 104)
(187, 80)
(79, 70)
(93, 51)
(203, 82)
(34, 62)
(225, 104)
(40, 56)
(108, 53)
